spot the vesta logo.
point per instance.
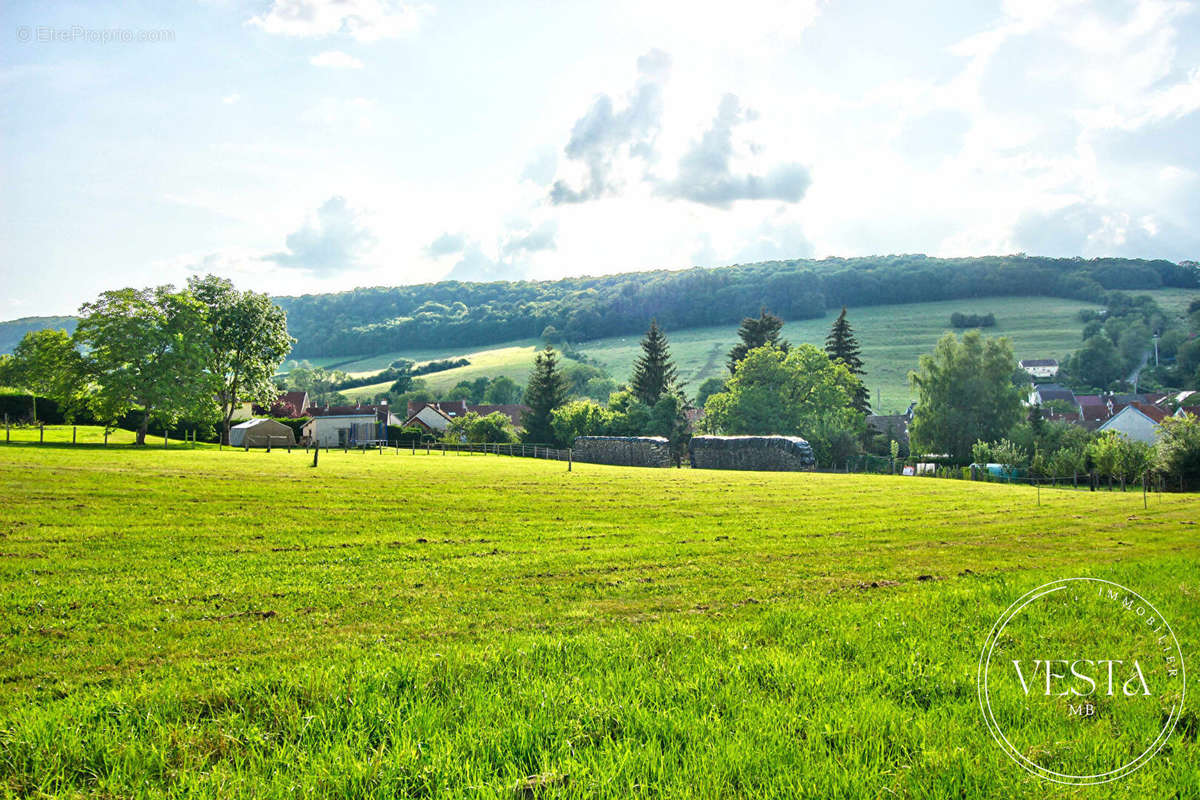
(1081, 681)
(1079, 677)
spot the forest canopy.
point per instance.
(384, 319)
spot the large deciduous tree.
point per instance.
(755, 333)
(47, 364)
(964, 394)
(842, 346)
(546, 391)
(147, 349)
(654, 373)
(800, 392)
(248, 340)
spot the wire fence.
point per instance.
(1147, 482)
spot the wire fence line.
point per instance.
(1148, 481)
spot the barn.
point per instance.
(343, 430)
(261, 433)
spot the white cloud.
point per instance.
(329, 242)
(364, 20)
(336, 59)
(230, 99)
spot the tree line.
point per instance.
(378, 320)
(195, 353)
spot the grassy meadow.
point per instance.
(208, 623)
(892, 338)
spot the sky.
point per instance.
(303, 146)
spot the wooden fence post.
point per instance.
(42, 433)
(316, 453)
(569, 459)
(6, 439)
(73, 429)
(106, 437)
(165, 434)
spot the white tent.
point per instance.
(261, 433)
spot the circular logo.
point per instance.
(1081, 681)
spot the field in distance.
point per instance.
(213, 624)
(892, 338)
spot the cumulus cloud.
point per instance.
(364, 20)
(476, 265)
(519, 241)
(705, 174)
(542, 237)
(335, 59)
(332, 241)
(447, 244)
(607, 132)
(542, 168)
(1092, 230)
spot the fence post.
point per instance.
(73, 429)
(316, 453)
(165, 434)
(106, 437)
(6, 439)
(1144, 490)
(42, 433)
(569, 459)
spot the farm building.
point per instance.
(343, 430)
(261, 433)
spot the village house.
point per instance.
(1039, 367)
(435, 418)
(1138, 421)
(1050, 392)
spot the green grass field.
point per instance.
(513, 361)
(227, 624)
(892, 338)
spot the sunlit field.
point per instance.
(205, 623)
(892, 338)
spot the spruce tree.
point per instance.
(756, 333)
(654, 373)
(547, 390)
(841, 346)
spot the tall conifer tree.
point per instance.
(842, 346)
(756, 333)
(654, 373)
(547, 390)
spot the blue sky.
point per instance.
(305, 145)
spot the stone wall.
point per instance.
(751, 452)
(627, 451)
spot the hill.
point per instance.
(291, 632)
(477, 315)
(455, 316)
(893, 338)
(13, 330)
